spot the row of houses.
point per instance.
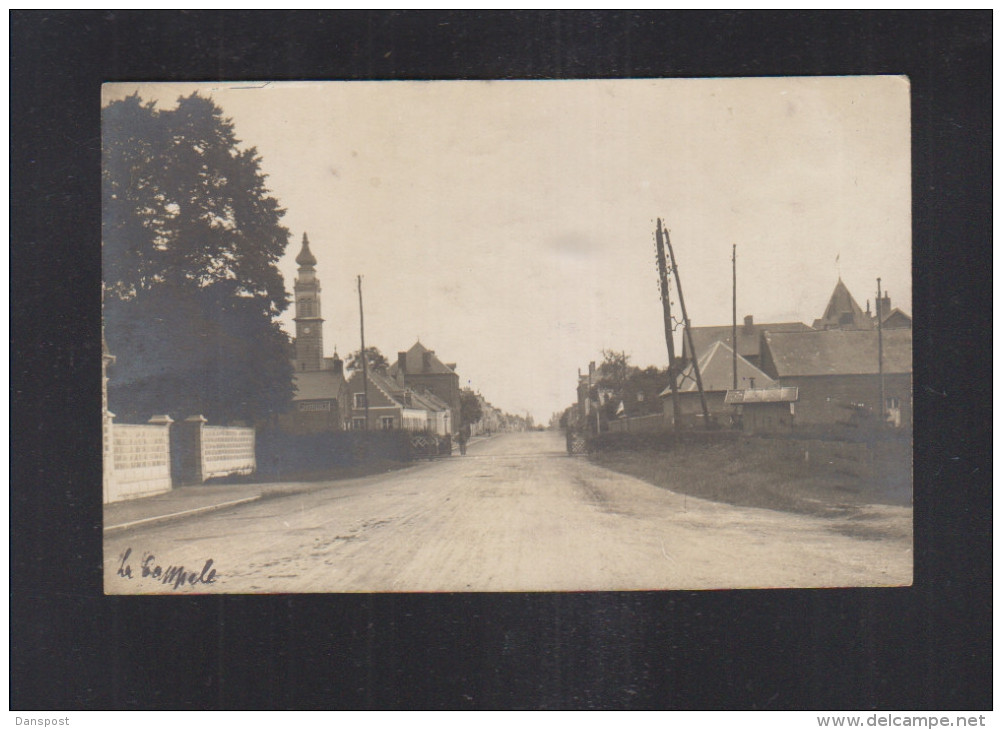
(790, 374)
(417, 392)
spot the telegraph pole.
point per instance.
(880, 351)
(365, 367)
(669, 340)
(688, 331)
(734, 309)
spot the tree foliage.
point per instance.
(637, 389)
(191, 240)
(469, 407)
(374, 360)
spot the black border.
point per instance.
(925, 647)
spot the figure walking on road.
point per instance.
(464, 436)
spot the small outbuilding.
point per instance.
(764, 410)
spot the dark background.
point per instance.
(924, 647)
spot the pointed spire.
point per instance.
(306, 259)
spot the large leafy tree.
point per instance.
(191, 243)
(374, 360)
(469, 407)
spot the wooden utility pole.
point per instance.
(688, 331)
(734, 310)
(365, 367)
(669, 340)
(880, 350)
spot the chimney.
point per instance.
(591, 370)
(749, 324)
(402, 361)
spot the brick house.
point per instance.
(393, 405)
(420, 370)
(836, 373)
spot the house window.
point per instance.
(360, 400)
(386, 423)
(358, 423)
(893, 402)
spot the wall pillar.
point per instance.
(187, 460)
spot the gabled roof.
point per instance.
(897, 318)
(415, 360)
(842, 305)
(748, 336)
(382, 388)
(435, 401)
(427, 401)
(761, 395)
(716, 370)
(317, 385)
(838, 352)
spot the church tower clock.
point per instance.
(309, 323)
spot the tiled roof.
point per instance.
(317, 385)
(716, 370)
(435, 401)
(748, 337)
(415, 362)
(390, 387)
(838, 352)
(897, 318)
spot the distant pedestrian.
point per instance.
(463, 437)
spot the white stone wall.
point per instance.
(227, 450)
(138, 464)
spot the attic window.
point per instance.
(845, 318)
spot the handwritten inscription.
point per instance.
(172, 575)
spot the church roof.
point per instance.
(839, 352)
(415, 362)
(841, 307)
(317, 385)
(306, 259)
(716, 370)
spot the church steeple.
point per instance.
(842, 312)
(309, 323)
(306, 259)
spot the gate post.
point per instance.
(187, 457)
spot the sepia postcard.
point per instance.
(494, 336)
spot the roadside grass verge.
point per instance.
(751, 474)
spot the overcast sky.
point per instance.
(509, 224)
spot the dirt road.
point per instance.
(515, 514)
